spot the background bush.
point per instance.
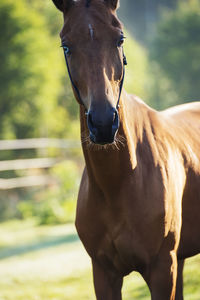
(55, 204)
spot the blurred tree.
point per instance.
(31, 65)
(176, 51)
(137, 70)
(142, 16)
(52, 16)
(54, 23)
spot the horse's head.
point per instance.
(92, 39)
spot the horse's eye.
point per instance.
(66, 50)
(121, 41)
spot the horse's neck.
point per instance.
(108, 166)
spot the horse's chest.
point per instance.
(122, 251)
(123, 238)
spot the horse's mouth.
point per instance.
(98, 141)
(116, 144)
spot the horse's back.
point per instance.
(186, 109)
(184, 123)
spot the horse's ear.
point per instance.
(63, 5)
(114, 4)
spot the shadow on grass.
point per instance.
(39, 245)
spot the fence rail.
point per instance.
(32, 163)
(38, 143)
(28, 181)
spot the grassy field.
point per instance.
(49, 263)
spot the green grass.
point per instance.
(49, 263)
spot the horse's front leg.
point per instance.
(107, 285)
(161, 274)
(162, 277)
(179, 283)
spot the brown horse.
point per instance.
(139, 199)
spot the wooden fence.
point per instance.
(33, 163)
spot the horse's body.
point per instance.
(129, 213)
(139, 202)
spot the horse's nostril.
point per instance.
(91, 125)
(115, 119)
(90, 119)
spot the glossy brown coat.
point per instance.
(139, 199)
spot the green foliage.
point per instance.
(57, 204)
(32, 67)
(176, 51)
(140, 17)
(136, 71)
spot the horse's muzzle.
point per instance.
(103, 127)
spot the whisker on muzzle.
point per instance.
(116, 145)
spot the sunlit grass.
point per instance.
(67, 288)
(49, 263)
